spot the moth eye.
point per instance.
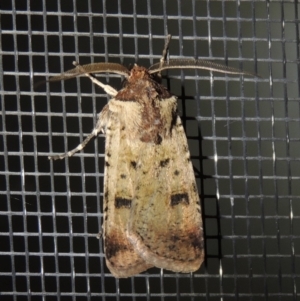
(179, 198)
(176, 172)
(123, 176)
(122, 203)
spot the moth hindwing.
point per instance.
(152, 214)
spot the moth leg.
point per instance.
(99, 235)
(108, 89)
(98, 128)
(165, 51)
(164, 54)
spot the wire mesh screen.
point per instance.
(243, 135)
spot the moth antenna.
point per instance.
(87, 70)
(91, 68)
(197, 64)
(107, 88)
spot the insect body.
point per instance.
(152, 213)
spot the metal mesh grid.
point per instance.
(243, 136)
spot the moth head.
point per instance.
(138, 72)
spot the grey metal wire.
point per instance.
(243, 135)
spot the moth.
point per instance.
(151, 206)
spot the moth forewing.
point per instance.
(121, 258)
(165, 225)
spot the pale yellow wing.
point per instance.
(165, 225)
(121, 257)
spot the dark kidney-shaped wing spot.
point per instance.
(179, 198)
(122, 203)
(133, 164)
(164, 163)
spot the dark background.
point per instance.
(243, 135)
